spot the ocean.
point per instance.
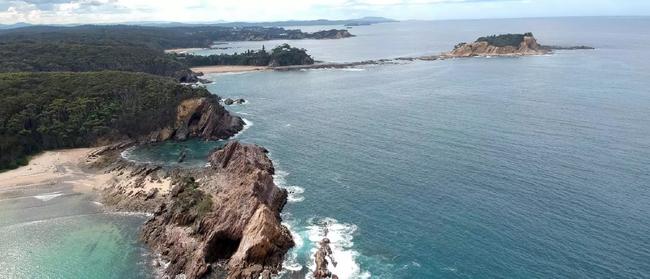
(518, 167)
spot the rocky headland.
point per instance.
(222, 220)
(201, 118)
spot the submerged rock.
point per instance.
(228, 101)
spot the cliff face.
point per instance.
(525, 44)
(226, 220)
(201, 118)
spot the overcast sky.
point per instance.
(103, 11)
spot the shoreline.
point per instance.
(55, 167)
(183, 50)
(223, 69)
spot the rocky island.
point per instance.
(503, 45)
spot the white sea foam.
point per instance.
(295, 192)
(353, 69)
(291, 260)
(341, 236)
(129, 213)
(127, 153)
(247, 125)
(48, 196)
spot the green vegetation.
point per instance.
(159, 37)
(283, 55)
(74, 97)
(505, 40)
(139, 49)
(75, 57)
(41, 111)
(191, 204)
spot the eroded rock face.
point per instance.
(226, 219)
(201, 118)
(527, 46)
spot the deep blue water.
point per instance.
(531, 167)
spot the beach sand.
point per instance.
(182, 50)
(65, 167)
(228, 69)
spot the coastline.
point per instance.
(55, 167)
(183, 50)
(222, 69)
(66, 166)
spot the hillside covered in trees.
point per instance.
(65, 87)
(282, 55)
(137, 48)
(41, 111)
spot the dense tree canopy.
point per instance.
(60, 86)
(75, 57)
(42, 111)
(505, 39)
(283, 55)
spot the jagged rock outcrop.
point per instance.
(501, 45)
(320, 258)
(201, 118)
(226, 220)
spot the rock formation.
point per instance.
(320, 258)
(201, 118)
(230, 101)
(501, 45)
(222, 220)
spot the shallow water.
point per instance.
(529, 167)
(51, 232)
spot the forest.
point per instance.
(505, 39)
(64, 87)
(41, 111)
(282, 55)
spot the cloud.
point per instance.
(101, 11)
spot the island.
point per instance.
(504, 45)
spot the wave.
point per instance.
(295, 192)
(247, 125)
(341, 236)
(48, 196)
(127, 153)
(291, 263)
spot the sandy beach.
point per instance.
(55, 167)
(66, 167)
(228, 69)
(182, 50)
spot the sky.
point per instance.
(113, 11)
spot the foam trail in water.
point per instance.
(48, 196)
(295, 192)
(341, 241)
(291, 263)
(247, 125)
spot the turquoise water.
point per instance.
(531, 167)
(51, 232)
